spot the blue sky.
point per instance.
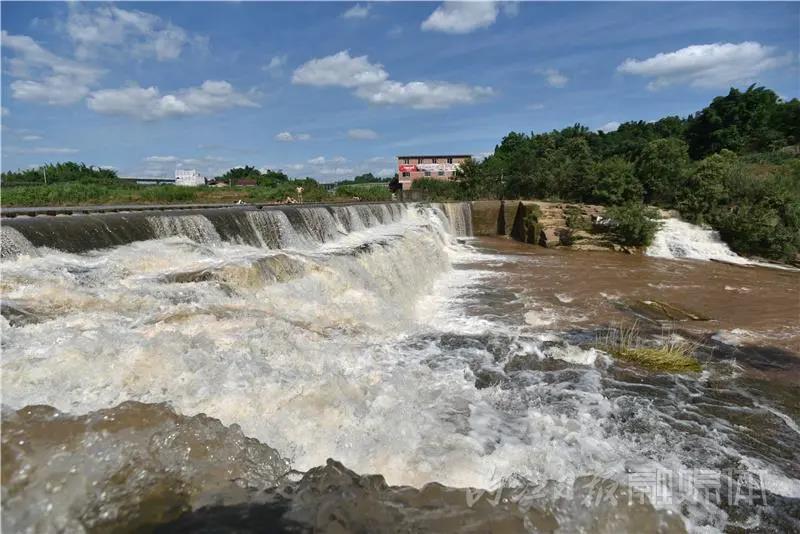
(330, 90)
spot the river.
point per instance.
(256, 346)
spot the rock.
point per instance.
(549, 237)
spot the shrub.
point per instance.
(440, 190)
(614, 182)
(633, 224)
(371, 192)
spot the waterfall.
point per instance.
(13, 243)
(680, 239)
(297, 227)
(459, 215)
(195, 227)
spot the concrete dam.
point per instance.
(69, 230)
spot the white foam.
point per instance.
(680, 239)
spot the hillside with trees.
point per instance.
(733, 165)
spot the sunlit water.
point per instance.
(376, 336)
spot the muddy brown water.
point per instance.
(747, 305)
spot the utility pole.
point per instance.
(44, 171)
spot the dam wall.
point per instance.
(276, 226)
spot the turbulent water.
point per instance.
(379, 336)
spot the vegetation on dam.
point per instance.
(72, 183)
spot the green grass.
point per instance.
(672, 356)
(82, 194)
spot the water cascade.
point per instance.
(680, 239)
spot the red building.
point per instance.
(410, 168)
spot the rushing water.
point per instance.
(378, 336)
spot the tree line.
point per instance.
(734, 165)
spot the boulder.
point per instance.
(549, 237)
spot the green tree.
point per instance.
(661, 168)
(633, 224)
(705, 191)
(613, 182)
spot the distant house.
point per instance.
(411, 168)
(246, 182)
(189, 178)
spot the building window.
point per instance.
(405, 161)
(434, 160)
(427, 173)
(419, 160)
(406, 174)
(441, 173)
(449, 160)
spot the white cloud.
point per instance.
(717, 65)
(423, 95)
(161, 159)
(536, 106)
(362, 134)
(41, 150)
(609, 127)
(554, 78)
(4, 111)
(357, 12)
(322, 160)
(461, 17)
(96, 30)
(340, 70)
(44, 77)
(148, 103)
(295, 166)
(275, 65)
(289, 137)
(32, 138)
(371, 83)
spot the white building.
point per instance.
(189, 178)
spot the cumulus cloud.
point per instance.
(340, 70)
(96, 30)
(609, 127)
(161, 159)
(357, 12)
(362, 134)
(44, 77)
(461, 17)
(716, 65)
(371, 83)
(423, 95)
(288, 137)
(465, 17)
(554, 78)
(147, 103)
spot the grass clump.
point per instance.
(674, 355)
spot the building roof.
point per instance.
(438, 156)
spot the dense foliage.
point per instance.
(633, 224)
(266, 178)
(56, 173)
(733, 165)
